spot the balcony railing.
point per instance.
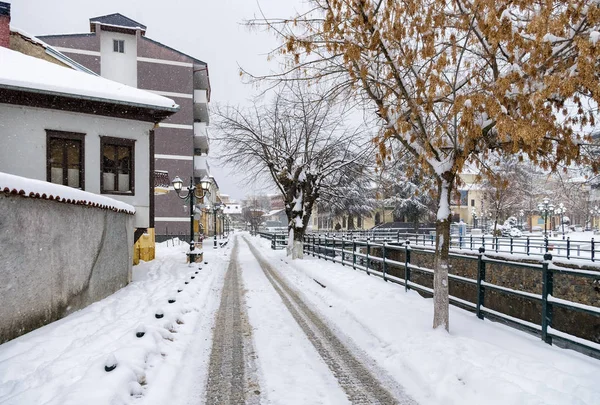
(161, 182)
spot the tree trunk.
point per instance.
(441, 300)
(296, 248)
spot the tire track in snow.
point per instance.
(232, 372)
(356, 380)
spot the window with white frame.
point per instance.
(119, 45)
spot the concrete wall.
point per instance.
(23, 152)
(120, 67)
(56, 258)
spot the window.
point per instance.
(472, 203)
(64, 158)
(117, 165)
(119, 45)
(464, 194)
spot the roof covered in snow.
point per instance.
(118, 20)
(25, 187)
(28, 74)
(52, 51)
(273, 212)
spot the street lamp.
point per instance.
(546, 208)
(192, 193)
(521, 215)
(215, 210)
(561, 210)
(595, 212)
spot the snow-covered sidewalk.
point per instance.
(479, 362)
(64, 362)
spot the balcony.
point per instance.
(201, 81)
(161, 182)
(201, 96)
(201, 112)
(201, 167)
(201, 140)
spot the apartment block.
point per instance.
(117, 48)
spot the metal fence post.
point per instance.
(593, 250)
(353, 253)
(324, 249)
(568, 247)
(398, 236)
(406, 263)
(343, 250)
(471, 242)
(273, 241)
(528, 246)
(368, 251)
(460, 242)
(480, 279)
(511, 245)
(496, 244)
(384, 263)
(547, 287)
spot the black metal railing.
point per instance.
(373, 258)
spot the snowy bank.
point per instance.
(478, 362)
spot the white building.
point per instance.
(79, 130)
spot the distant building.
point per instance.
(117, 48)
(276, 201)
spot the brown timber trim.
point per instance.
(109, 140)
(50, 133)
(73, 103)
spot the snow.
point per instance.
(478, 362)
(63, 363)
(589, 308)
(594, 36)
(54, 53)
(291, 369)
(443, 208)
(297, 201)
(26, 72)
(32, 188)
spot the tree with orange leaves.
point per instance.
(456, 80)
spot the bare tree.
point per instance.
(254, 209)
(301, 141)
(453, 80)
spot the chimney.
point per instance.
(4, 24)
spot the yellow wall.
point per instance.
(145, 248)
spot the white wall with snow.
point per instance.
(23, 152)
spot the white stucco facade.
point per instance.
(23, 151)
(120, 67)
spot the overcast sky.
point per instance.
(209, 30)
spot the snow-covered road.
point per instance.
(286, 332)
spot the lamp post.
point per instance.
(474, 214)
(546, 208)
(192, 193)
(215, 209)
(521, 215)
(595, 212)
(561, 210)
